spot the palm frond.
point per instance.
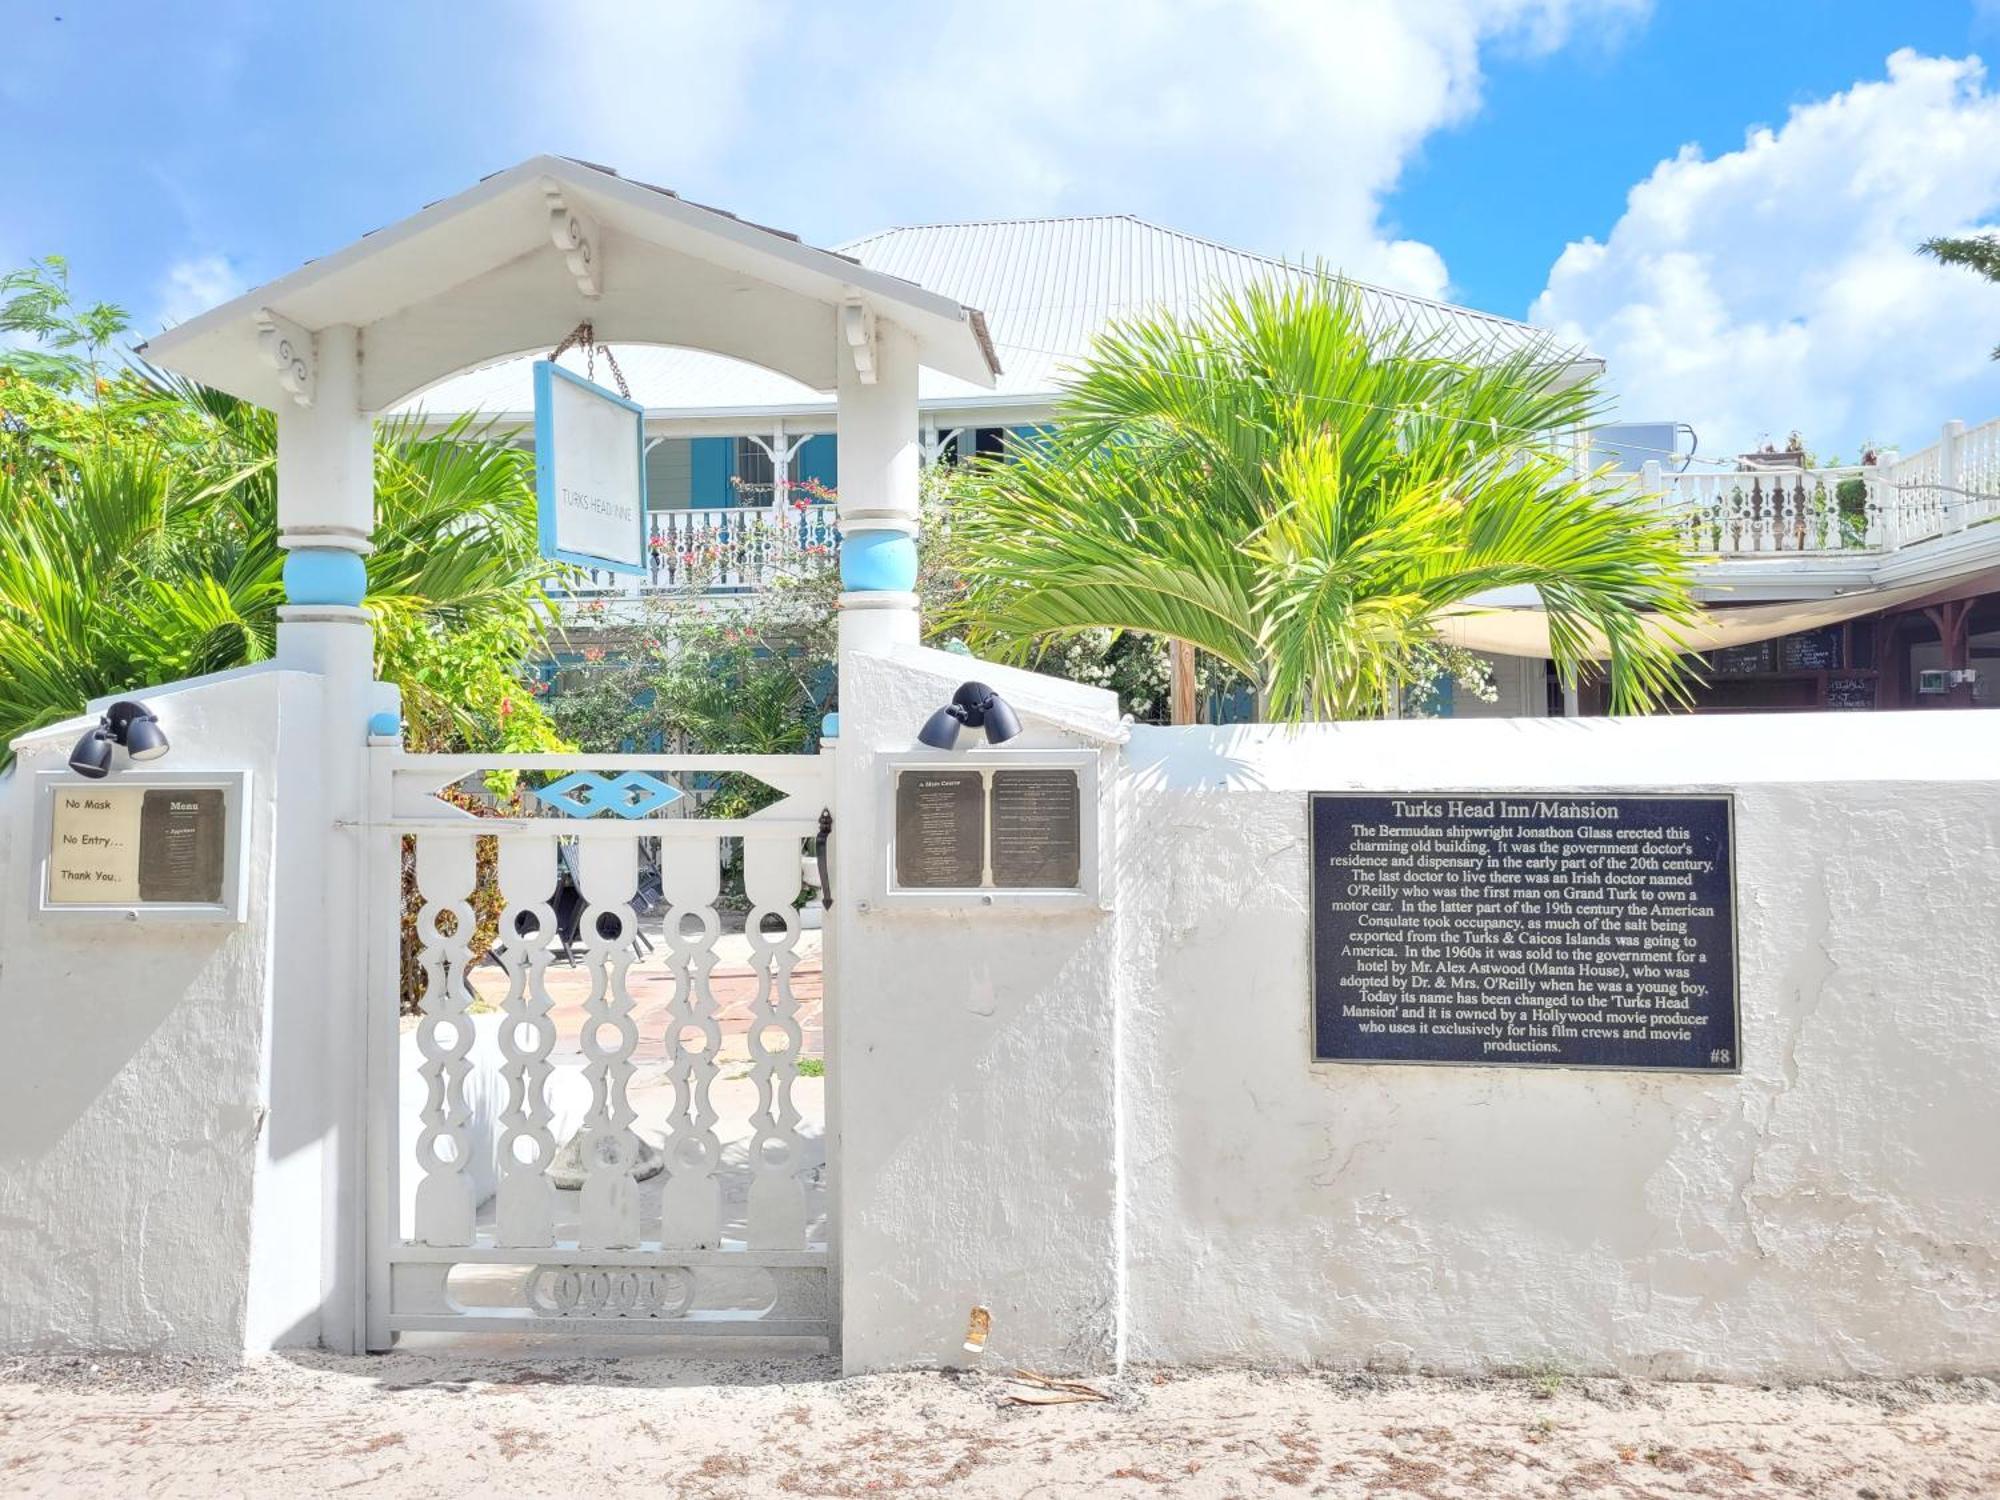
(1308, 500)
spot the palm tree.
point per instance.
(1308, 502)
(1976, 252)
(141, 548)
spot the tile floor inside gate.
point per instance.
(733, 1095)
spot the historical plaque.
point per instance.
(181, 844)
(1524, 929)
(940, 829)
(1037, 829)
(1811, 651)
(1850, 692)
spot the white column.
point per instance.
(877, 428)
(326, 513)
(877, 431)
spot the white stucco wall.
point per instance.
(1107, 1128)
(150, 1197)
(972, 1059)
(1103, 1125)
(1833, 1210)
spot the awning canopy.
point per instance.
(513, 264)
(1525, 632)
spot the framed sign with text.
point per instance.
(590, 472)
(141, 844)
(991, 828)
(1525, 929)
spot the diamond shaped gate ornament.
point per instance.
(583, 794)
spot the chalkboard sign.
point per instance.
(1811, 651)
(142, 845)
(1856, 692)
(1524, 929)
(1741, 661)
(940, 829)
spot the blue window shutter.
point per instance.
(819, 461)
(714, 461)
(1023, 439)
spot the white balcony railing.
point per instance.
(723, 551)
(1949, 487)
(1759, 512)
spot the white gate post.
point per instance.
(326, 513)
(877, 432)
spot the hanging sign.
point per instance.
(590, 472)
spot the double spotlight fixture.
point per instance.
(127, 723)
(973, 706)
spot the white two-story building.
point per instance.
(1867, 586)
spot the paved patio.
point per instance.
(650, 981)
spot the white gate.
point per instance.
(593, 1102)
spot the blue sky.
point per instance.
(1581, 160)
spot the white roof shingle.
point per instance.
(1047, 287)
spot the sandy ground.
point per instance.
(436, 1424)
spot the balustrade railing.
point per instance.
(724, 550)
(1951, 486)
(1751, 512)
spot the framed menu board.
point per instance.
(991, 828)
(163, 844)
(1811, 651)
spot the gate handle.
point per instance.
(819, 854)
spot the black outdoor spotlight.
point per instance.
(128, 723)
(973, 706)
(92, 755)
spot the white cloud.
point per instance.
(1288, 121)
(194, 286)
(1777, 286)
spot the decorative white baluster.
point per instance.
(691, 877)
(607, 874)
(777, 1219)
(526, 1206)
(445, 1210)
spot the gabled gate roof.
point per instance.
(512, 264)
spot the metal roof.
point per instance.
(1047, 288)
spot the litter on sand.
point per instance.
(1040, 1390)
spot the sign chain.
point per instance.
(585, 337)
